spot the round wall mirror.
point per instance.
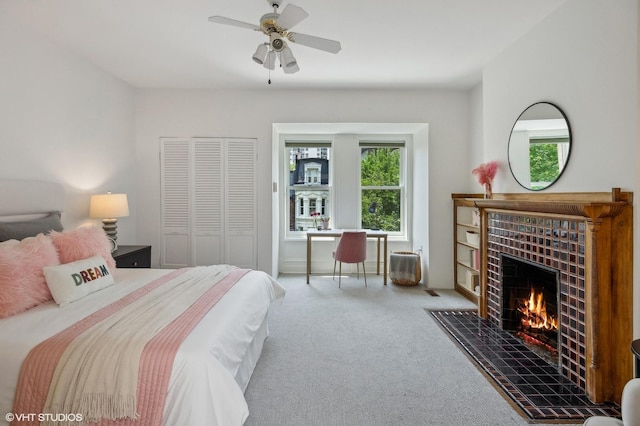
(539, 146)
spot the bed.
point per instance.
(213, 360)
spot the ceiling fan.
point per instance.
(277, 27)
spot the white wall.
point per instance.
(476, 150)
(584, 58)
(251, 114)
(64, 120)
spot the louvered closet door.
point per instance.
(240, 207)
(208, 196)
(175, 159)
(208, 202)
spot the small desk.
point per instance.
(379, 235)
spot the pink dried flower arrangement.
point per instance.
(485, 173)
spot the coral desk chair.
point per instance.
(352, 248)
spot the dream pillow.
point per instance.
(82, 243)
(72, 281)
(22, 283)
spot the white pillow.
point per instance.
(75, 280)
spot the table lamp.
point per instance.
(109, 207)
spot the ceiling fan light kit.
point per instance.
(276, 26)
(277, 43)
(286, 58)
(270, 63)
(292, 69)
(261, 54)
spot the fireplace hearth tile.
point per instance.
(539, 389)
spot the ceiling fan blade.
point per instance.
(290, 16)
(233, 22)
(320, 43)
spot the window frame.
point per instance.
(304, 141)
(388, 141)
(345, 193)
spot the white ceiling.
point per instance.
(399, 44)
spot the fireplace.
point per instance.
(530, 301)
(552, 245)
(585, 240)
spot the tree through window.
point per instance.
(382, 185)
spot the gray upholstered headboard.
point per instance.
(29, 207)
(23, 197)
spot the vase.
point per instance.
(488, 193)
(325, 224)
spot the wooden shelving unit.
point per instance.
(466, 252)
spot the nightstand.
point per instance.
(132, 256)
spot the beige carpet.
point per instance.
(367, 356)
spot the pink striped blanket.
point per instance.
(156, 360)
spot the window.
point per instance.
(382, 185)
(356, 180)
(312, 172)
(308, 184)
(547, 157)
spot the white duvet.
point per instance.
(205, 387)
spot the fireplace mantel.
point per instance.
(607, 282)
(590, 205)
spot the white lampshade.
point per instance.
(108, 207)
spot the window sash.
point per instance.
(369, 220)
(310, 195)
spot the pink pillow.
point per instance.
(82, 243)
(22, 282)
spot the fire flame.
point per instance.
(535, 315)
